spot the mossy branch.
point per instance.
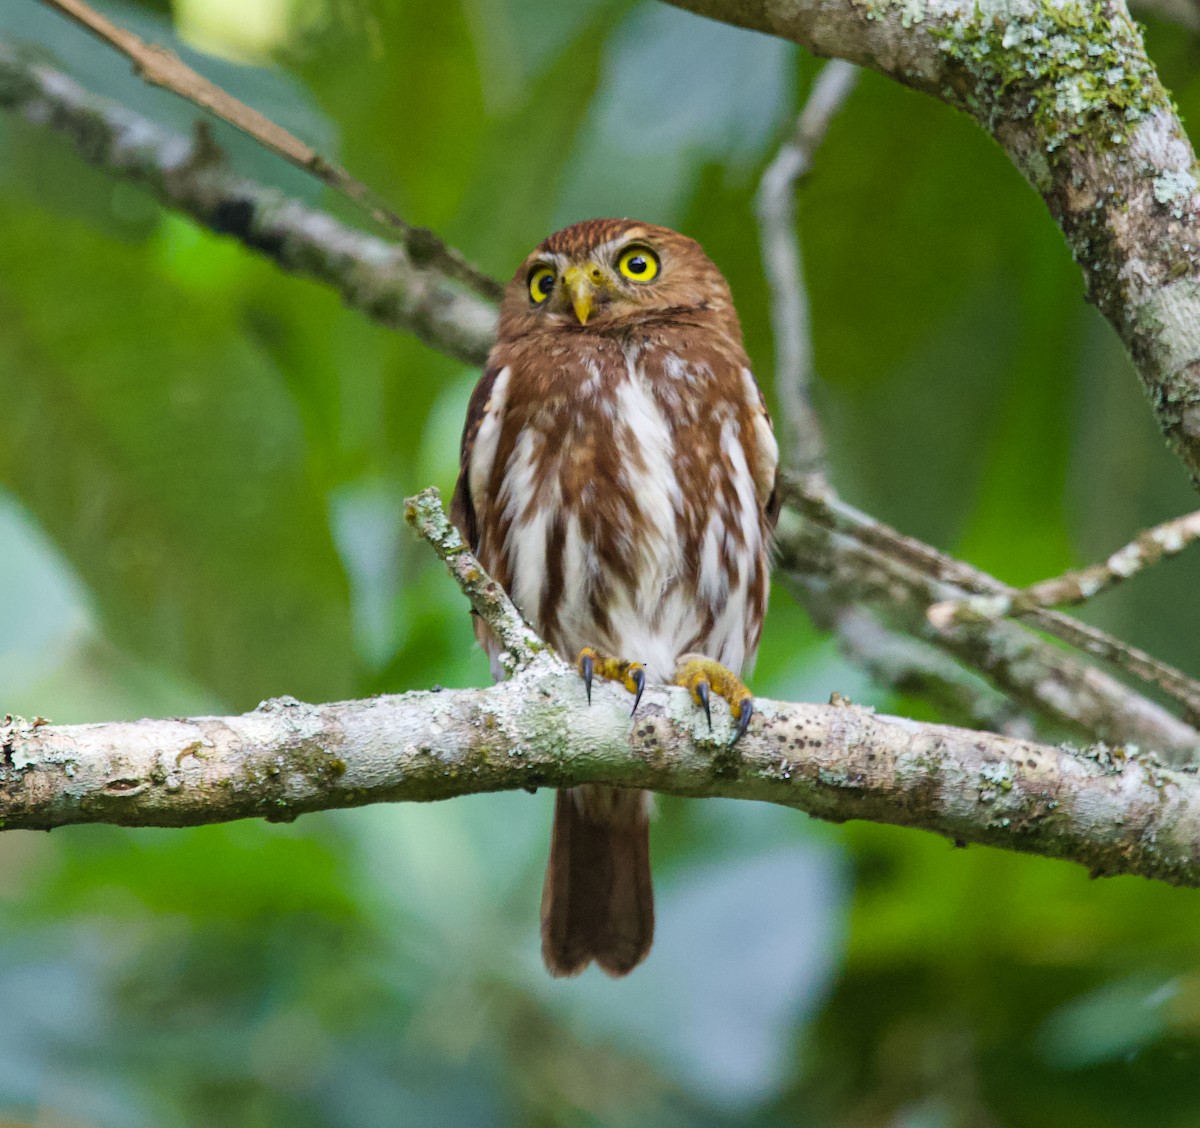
(1067, 89)
(489, 600)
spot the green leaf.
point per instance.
(161, 452)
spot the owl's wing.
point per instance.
(483, 405)
(765, 463)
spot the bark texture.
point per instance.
(1112, 810)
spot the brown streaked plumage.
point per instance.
(618, 478)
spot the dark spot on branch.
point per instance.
(125, 785)
(727, 763)
(235, 217)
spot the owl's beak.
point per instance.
(582, 290)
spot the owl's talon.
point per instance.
(702, 677)
(746, 706)
(592, 664)
(587, 666)
(700, 690)
(639, 679)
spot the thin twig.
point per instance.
(1148, 548)
(424, 513)
(823, 564)
(904, 663)
(823, 506)
(161, 67)
(376, 277)
(917, 669)
(898, 661)
(803, 446)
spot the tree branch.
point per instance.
(825, 506)
(489, 600)
(803, 446)
(827, 546)
(1069, 93)
(1148, 548)
(381, 279)
(1110, 811)
(163, 68)
(1114, 811)
(920, 670)
(904, 663)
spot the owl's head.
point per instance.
(610, 274)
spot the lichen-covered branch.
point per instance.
(1112, 811)
(1148, 548)
(382, 279)
(1068, 91)
(489, 600)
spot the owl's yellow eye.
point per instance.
(541, 284)
(638, 263)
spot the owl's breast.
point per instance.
(614, 510)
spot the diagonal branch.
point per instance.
(823, 505)
(163, 68)
(903, 663)
(381, 279)
(828, 546)
(424, 513)
(920, 670)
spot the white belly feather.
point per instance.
(658, 616)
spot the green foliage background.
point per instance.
(202, 463)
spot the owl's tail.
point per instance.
(597, 902)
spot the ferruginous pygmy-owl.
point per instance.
(618, 478)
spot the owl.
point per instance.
(618, 479)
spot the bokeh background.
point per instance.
(202, 465)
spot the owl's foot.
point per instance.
(702, 677)
(631, 675)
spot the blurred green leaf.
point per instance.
(162, 455)
(104, 71)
